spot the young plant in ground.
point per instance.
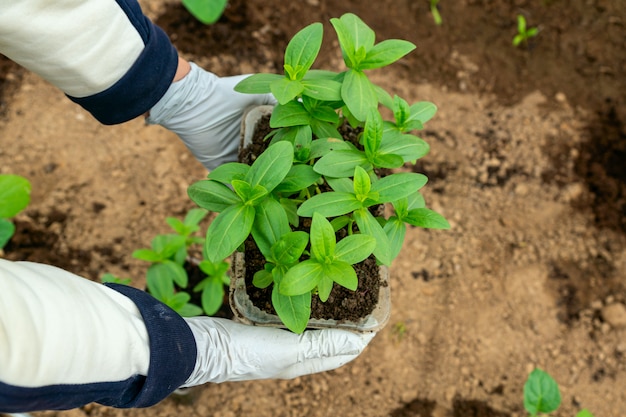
(310, 174)
(168, 254)
(524, 33)
(434, 10)
(206, 11)
(542, 395)
(14, 197)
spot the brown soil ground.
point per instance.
(527, 162)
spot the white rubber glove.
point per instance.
(230, 351)
(205, 112)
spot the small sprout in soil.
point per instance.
(399, 330)
(14, 197)
(167, 278)
(542, 395)
(206, 11)
(434, 10)
(524, 33)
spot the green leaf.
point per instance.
(176, 271)
(323, 240)
(301, 278)
(416, 200)
(422, 111)
(227, 231)
(178, 300)
(387, 160)
(401, 112)
(7, 229)
(262, 279)
(194, 217)
(294, 311)
(385, 53)
(358, 94)
(329, 204)
(541, 393)
(395, 229)
(324, 129)
(584, 413)
(341, 163)
(291, 208)
(177, 225)
(354, 248)
(321, 147)
(396, 186)
(423, 217)
(160, 282)
(206, 11)
(319, 89)
(212, 195)
(257, 83)
(345, 185)
(353, 35)
(362, 183)
(147, 255)
(370, 226)
(325, 285)
(228, 172)
(212, 296)
(190, 310)
(251, 195)
(289, 114)
(14, 195)
(343, 274)
(168, 245)
(408, 147)
(304, 47)
(286, 90)
(288, 249)
(298, 178)
(373, 134)
(271, 167)
(270, 223)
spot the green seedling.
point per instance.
(310, 172)
(206, 11)
(14, 197)
(434, 10)
(168, 254)
(524, 33)
(542, 395)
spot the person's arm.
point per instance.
(66, 341)
(114, 62)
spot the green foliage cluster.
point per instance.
(524, 33)
(14, 197)
(310, 171)
(168, 253)
(542, 395)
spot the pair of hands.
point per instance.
(205, 112)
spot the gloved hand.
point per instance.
(205, 112)
(229, 351)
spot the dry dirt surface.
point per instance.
(528, 163)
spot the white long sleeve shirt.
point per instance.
(66, 341)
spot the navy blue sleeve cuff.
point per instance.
(172, 359)
(172, 348)
(142, 86)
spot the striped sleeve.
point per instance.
(106, 55)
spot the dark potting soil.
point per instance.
(342, 304)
